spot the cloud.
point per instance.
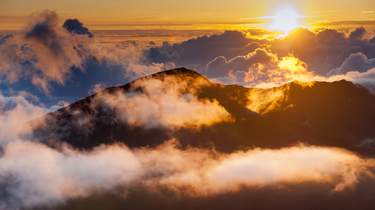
(220, 66)
(130, 55)
(366, 79)
(302, 55)
(321, 51)
(262, 167)
(15, 113)
(58, 58)
(76, 27)
(61, 59)
(33, 174)
(199, 51)
(170, 102)
(45, 52)
(260, 68)
(355, 62)
(56, 176)
(324, 50)
(66, 61)
(353, 23)
(357, 34)
(263, 101)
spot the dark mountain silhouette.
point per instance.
(308, 196)
(337, 114)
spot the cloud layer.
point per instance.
(234, 57)
(36, 175)
(61, 58)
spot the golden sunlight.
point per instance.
(294, 69)
(285, 20)
(291, 63)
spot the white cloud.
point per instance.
(170, 102)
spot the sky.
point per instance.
(117, 12)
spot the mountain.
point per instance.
(339, 114)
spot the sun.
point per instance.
(285, 20)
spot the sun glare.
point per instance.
(285, 20)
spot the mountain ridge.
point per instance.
(336, 113)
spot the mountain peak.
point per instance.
(180, 72)
(295, 112)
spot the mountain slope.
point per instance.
(337, 114)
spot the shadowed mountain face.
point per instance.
(305, 196)
(331, 114)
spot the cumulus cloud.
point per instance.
(259, 68)
(48, 55)
(302, 55)
(169, 102)
(215, 55)
(44, 52)
(197, 52)
(75, 26)
(220, 66)
(130, 55)
(355, 62)
(324, 50)
(357, 34)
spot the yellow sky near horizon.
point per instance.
(179, 14)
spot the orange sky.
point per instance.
(127, 13)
